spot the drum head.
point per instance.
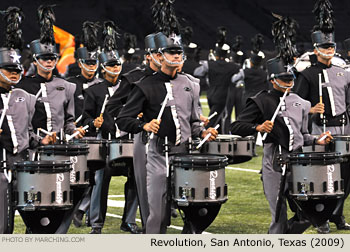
(200, 161)
(44, 166)
(226, 138)
(65, 149)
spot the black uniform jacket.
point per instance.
(259, 109)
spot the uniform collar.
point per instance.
(110, 84)
(323, 66)
(166, 77)
(277, 92)
(3, 90)
(86, 80)
(42, 79)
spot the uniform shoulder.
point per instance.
(189, 77)
(19, 91)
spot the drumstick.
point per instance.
(47, 133)
(324, 137)
(104, 105)
(206, 137)
(103, 108)
(210, 117)
(68, 138)
(276, 112)
(161, 112)
(78, 119)
(4, 111)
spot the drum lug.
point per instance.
(185, 192)
(30, 197)
(303, 188)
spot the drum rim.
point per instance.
(43, 166)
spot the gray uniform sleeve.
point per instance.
(196, 128)
(202, 70)
(308, 139)
(69, 116)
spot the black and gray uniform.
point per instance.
(115, 104)
(290, 131)
(17, 136)
(81, 83)
(179, 121)
(221, 97)
(94, 98)
(335, 96)
(54, 109)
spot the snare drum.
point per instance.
(238, 149)
(96, 159)
(341, 144)
(199, 179)
(315, 175)
(43, 185)
(121, 152)
(76, 154)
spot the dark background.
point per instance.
(241, 17)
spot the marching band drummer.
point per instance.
(87, 57)
(334, 83)
(286, 134)
(17, 108)
(179, 121)
(104, 126)
(115, 104)
(54, 108)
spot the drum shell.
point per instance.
(341, 144)
(203, 184)
(121, 153)
(76, 154)
(238, 149)
(79, 175)
(53, 186)
(96, 159)
(321, 180)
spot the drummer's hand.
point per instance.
(0, 131)
(214, 134)
(204, 119)
(326, 140)
(49, 139)
(152, 126)
(81, 132)
(318, 108)
(265, 127)
(98, 122)
(140, 115)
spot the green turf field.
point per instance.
(245, 212)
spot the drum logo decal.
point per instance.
(212, 188)
(330, 184)
(73, 160)
(59, 194)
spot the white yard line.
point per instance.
(242, 169)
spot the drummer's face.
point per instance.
(283, 83)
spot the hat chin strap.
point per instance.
(154, 59)
(324, 54)
(45, 68)
(281, 86)
(10, 81)
(171, 62)
(110, 72)
(86, 69)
